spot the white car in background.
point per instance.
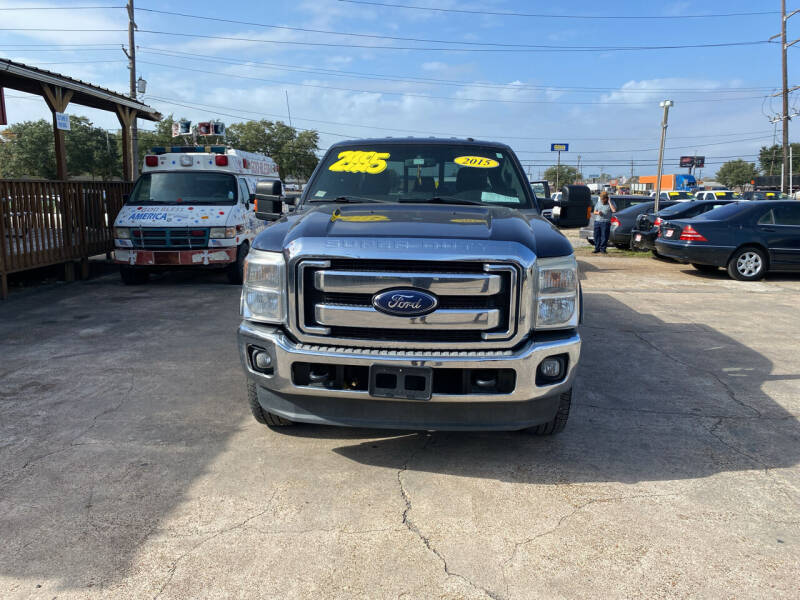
(716, 195)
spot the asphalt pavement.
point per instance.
(130, 466)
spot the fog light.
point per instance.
(262, 360)
(551, 367)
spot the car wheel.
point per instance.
(236, 270)
(262, 416)
(748, 264)
(705, 268)
(559, 421)
(621, 247)
(132, 276)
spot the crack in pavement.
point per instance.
(215, 535)
(73, 443)
(728, 389)
(413, 528)
(565, 518)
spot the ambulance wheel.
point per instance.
(132, 276)
(236, 270)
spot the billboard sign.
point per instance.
(687, 162)
(559, 147)
(699, 161)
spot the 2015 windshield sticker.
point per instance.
(476, 161)
(360, 161)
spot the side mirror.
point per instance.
(290, 200)
(268, 199)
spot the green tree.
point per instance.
(27, 150)
(770, 159)
(736, 173)
(566, 174)
(293, 151)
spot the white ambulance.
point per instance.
(191, 207)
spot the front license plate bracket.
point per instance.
(405, 383)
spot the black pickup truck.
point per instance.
(414, 286)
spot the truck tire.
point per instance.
(236, 270)
(262, 416)
(133, 276)
(559, 421)
(748, 264)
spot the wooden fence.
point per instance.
(50, 222)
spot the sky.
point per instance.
(526, 79)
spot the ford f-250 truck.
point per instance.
(415, 286)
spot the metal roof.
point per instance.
(24, 78)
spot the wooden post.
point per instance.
(126, 117)
(57, 100)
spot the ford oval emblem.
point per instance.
(405, 302)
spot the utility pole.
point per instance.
(631, 168)
(785, 116)
(131, 54)
(665, 104)
(288, 110)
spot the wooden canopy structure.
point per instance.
(59, 91)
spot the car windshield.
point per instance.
(679, 195)
(723, 212)
(420, 172)
(184, 188)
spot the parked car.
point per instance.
(747, 238)
(645, 231)
(622, 203)
(717, 195)
(761, 195)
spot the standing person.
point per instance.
(602, 222)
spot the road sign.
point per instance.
(559, 147)
(62, 121)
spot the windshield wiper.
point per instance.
(442, 200)
(354, 199)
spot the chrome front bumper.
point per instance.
(524, 360)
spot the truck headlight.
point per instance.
(217, 233)
(556, 293)
(122, 233)
(264, 287)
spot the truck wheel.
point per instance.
(262, 416)
(559, 421)
(705, 268)
(132, 276)
(747, 264)
(236, 270)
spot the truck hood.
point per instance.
(431, 221)
(174, 216)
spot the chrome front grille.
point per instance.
(478, 301)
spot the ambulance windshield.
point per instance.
(184, 188)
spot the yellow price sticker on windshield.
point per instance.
(674, 194)
(360, 161)
(476, 161)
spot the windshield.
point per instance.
(679, 195)
(410, 172)
(184, 188)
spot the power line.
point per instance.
(450, 82)
(57, 7)
(428, 96)
(201, 106)
(518, 151)
(543, 48)
(554, 16)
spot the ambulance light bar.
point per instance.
(211, 149)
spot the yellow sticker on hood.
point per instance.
(476, 161)
(337, 216)
(360, 161)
